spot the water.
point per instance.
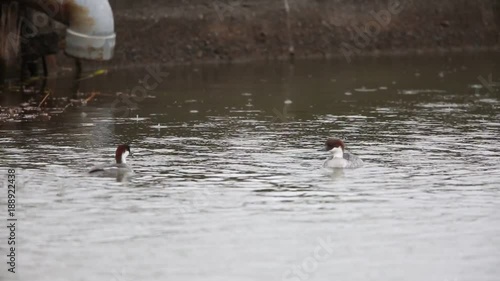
(230, 185)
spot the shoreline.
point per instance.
(89, 65)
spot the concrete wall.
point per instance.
(203, 30)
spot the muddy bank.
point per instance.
(202, 31)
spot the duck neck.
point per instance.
(337, 153)
(121, 159)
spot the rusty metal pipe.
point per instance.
(90, 33)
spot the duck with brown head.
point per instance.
(340, 157)
(120, 169)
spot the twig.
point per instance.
(46, 96)
(91, 97)
(94, 74)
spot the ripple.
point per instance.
(231, 193)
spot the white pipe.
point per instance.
(90, 34)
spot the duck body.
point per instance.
(111, 169)
(119, 170)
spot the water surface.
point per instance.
(229, 185)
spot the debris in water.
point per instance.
(364, 89)
(94, 74)
(46, 96)
(90, 98)
(158, 127)
(476, 86)
(36, 109)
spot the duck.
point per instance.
(119, 169)
(339, 157)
